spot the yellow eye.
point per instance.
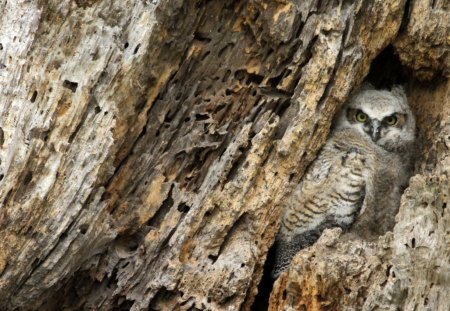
(361, 117)
(392, 120)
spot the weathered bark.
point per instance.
(424, 44)
(146, 147)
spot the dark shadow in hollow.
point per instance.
(265, 286)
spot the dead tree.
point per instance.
(146, 148)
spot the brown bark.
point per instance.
(146, 147)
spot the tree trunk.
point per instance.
(146, 148)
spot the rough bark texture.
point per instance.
(424, 43)
(146, 147)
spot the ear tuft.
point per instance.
(399, 91)
(366, 86)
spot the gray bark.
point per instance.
(146, 147)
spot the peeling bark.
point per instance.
(146, 147)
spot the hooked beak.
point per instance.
(375, 128)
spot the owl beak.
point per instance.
(375, 128)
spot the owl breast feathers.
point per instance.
(361, 170)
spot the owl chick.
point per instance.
(361, 171)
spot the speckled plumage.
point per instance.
(363, 166)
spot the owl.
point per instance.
(358, 176)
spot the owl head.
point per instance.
(381, 115)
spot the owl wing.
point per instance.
(330, 194)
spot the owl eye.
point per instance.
(361, 116)
(392, 120)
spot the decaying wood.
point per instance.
(424, 43)
(146, 147)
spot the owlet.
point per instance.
(359, 173)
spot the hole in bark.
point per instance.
(386, 70)
(70, 85)
(2, 137)
(413, 243)
(33, 97)
(63, 236)
(219, 108)
(444, 205)
(201, 116)
(228, 92)
(83, 228)
(183, 208)
(111, 282)
(1, 46)
(388, 270)
(28, 178)
(256, 79)
(126, 45)
(275, 80)
(1, 176)
(282, 107)
(291, 176)
(97, 110)
(127, 245)
(284, 294)
(226, 75)
(136, 49)
(213, 258)
(8, 196)
(201, 37)
(168, 117)
(133, 246)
